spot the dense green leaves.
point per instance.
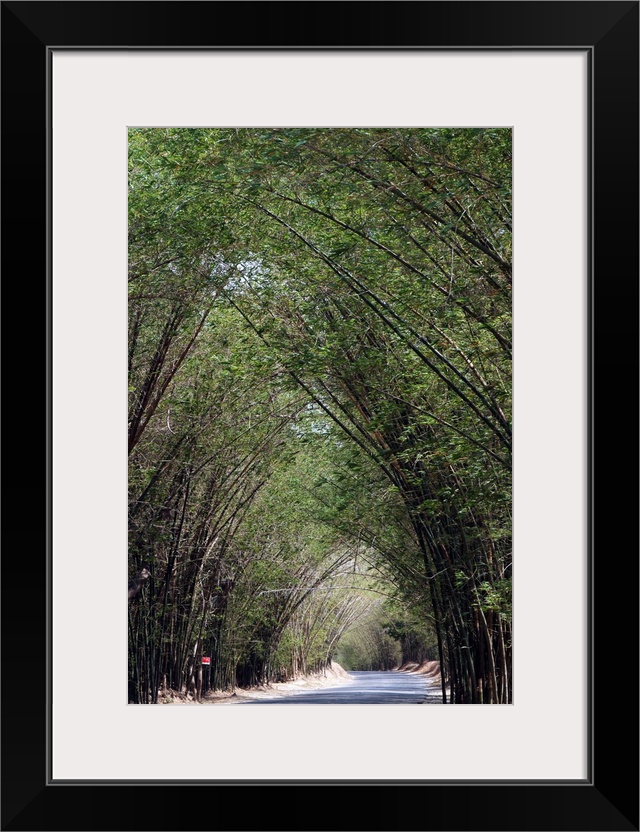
(320, 380)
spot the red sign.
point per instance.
(206, 660)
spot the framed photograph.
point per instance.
(550, 86)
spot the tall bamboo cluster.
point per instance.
(359, 275)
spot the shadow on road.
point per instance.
(366, 688)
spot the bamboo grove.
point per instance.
(319, 404)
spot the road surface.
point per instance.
(366, 688)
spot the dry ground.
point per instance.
(332, 676)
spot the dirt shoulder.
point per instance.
(330, 677)
(430, 668)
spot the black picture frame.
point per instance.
(608, 799)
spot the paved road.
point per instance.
(367, 688)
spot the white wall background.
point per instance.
(96, 96)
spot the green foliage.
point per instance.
(369, 646)
(496, 598)
(319, 395)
